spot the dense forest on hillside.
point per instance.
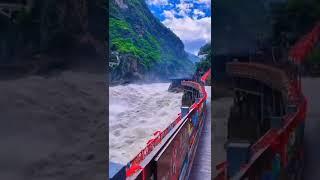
(205, 63)
(141, 46)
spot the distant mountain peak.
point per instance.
(193, 58)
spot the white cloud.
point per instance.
(207, 2)
(158, 2)
(170, 5)
(169, 14)
(184, 8)
(198, 14)
(188, 21)
(190, 30)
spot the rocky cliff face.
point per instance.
(142, 40)
(56, 29)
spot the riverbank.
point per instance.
(53, 127)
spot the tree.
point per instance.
(205, 64)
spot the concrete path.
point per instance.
(201, 168)
(220, 114)
(311, 89)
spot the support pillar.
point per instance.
(195, 116)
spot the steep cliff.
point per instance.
(54, 33)
(141, 40)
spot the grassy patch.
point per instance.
(126, 46)
(125, 40)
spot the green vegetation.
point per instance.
(125, 40)
(118, 28)
(126, 46)
(206, 49)
(205, 64)
(116, 24)
(133, 30)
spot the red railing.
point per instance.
(221, 171)
(265, 141)
(269, 75)
(206, 75)
(277, 139)
(303, 47)
(152, 143)
(135, 164)
(274, 138)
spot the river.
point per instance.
(136, 111)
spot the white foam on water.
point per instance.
(135, 112)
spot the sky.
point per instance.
(190, 20)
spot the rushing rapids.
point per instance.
(136, 111)
(181, 135)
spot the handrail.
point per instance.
(134, 165)
(267, 74)
(303, 47)
(290, 88)
(273, 137)
(264, 141)
(206, 75)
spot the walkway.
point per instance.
(201, 168)
(311, 89)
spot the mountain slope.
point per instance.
(142, 44)
(193, 58)
(205, 63)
